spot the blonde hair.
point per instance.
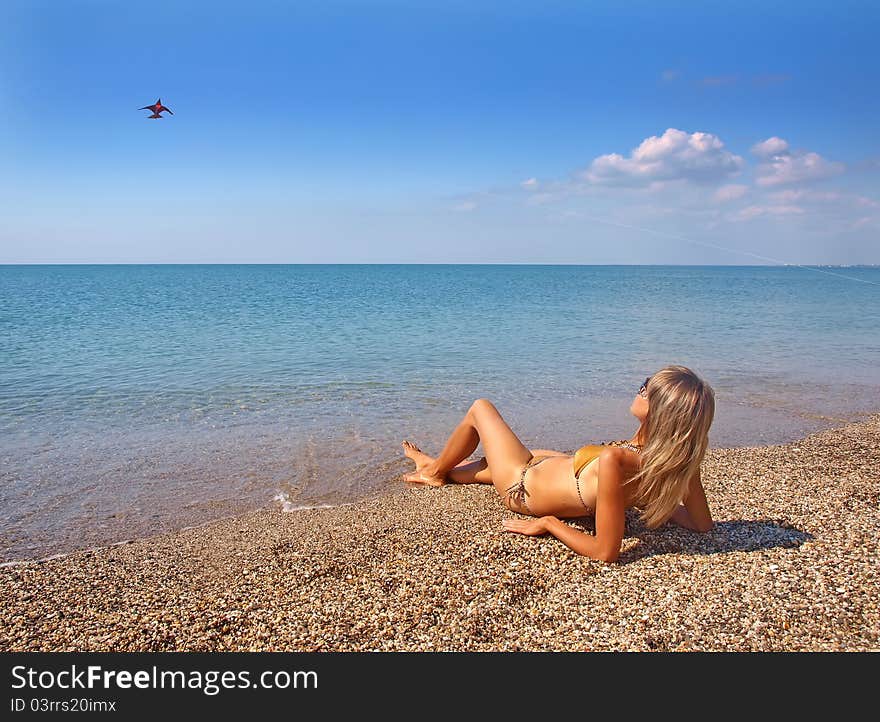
(681, 407)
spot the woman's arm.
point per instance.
(694, 514)
(610, 516)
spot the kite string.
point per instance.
(722, 248)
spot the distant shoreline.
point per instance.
(467, 263)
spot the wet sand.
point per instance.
(791, 565)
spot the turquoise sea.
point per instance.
(140, 398)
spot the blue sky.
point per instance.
(455, 132)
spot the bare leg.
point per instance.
(505, 453)
(467, 472)
(460, 445)
(471, 472)
(478, 472)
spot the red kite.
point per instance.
(157, 108)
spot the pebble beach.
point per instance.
(792, 565)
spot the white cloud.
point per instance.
(676, 155)
(796, 169)
(800, 194)
(770, 147)
(465, 206)
(781, 166)
(750, 212)
(695, 179)
(831, 204)
(659, 186)
(863, 222)
(730, 192)
(826, 209)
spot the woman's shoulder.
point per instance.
(629, 455)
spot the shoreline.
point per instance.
(82, 494)
(791, 565)
(279, 501)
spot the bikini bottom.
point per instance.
(518, 491)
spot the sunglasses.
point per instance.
(643, 389)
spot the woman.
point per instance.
(657, 471)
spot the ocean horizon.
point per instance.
(137, 398)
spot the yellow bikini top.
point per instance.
(586, 454)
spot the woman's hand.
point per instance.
(610, 516)
(529, 527)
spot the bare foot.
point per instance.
(422, 474)
(417, 478)
(416, 454)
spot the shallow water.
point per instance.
(140, 398)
